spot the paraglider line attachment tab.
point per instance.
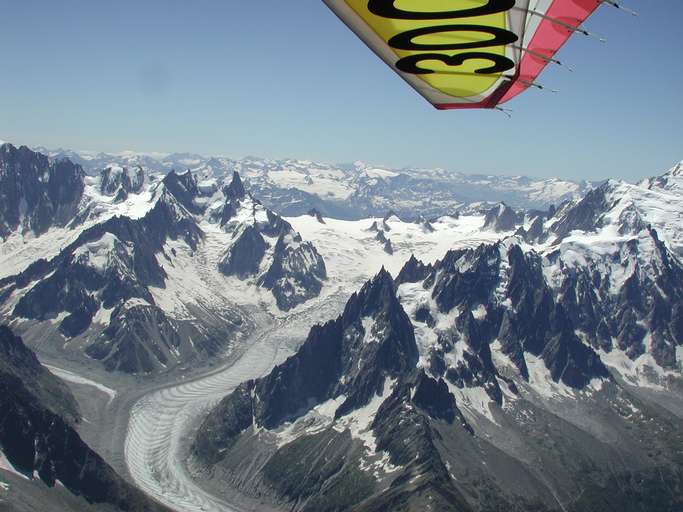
(561, 23)
(619, 6)
(506, 111)
(529, 83)
(537, 86)
(542, 57)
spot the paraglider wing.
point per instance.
(465, 53)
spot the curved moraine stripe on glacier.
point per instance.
(162, 423)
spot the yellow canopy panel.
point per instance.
(465, 53)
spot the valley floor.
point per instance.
(162, 422)
(142, 428)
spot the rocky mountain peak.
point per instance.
(267, 249)
(184, 188)
(236, 188)
(502, 218)
(669, 182)
(586, 214)
(391, 215)
(425, 223)
(121, 180)
(377, 294)
(348, 359)
(35, 192)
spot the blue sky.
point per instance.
(287, 79)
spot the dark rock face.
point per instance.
(502, 218)
(236, 188)
(433, 397)
(318, 216)
(19, 361)
(585, 215)
(184, 189)
(121, 181)
(297, 272)
(426, 224)
(536, 232)
(36, 440)
(244, 257)
(235, 194)
(36, 193)
(386, 242)
(143, 339)
(413, 271)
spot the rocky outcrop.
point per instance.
(35, 192)
(121, 181)
(535, 233)
(243, 258)
(297, 271)
(502, 218)
(313, 212)
(585, 215)
(141, 338)
(18, 360)
(184, 189)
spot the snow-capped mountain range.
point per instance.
(462, 353)
(517, 375)
(117, 279)
(346, 191)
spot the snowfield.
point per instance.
(77, 379)
(353, 255)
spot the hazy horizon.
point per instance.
(216, 78)
(498, 173)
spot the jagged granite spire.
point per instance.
(236, 188)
